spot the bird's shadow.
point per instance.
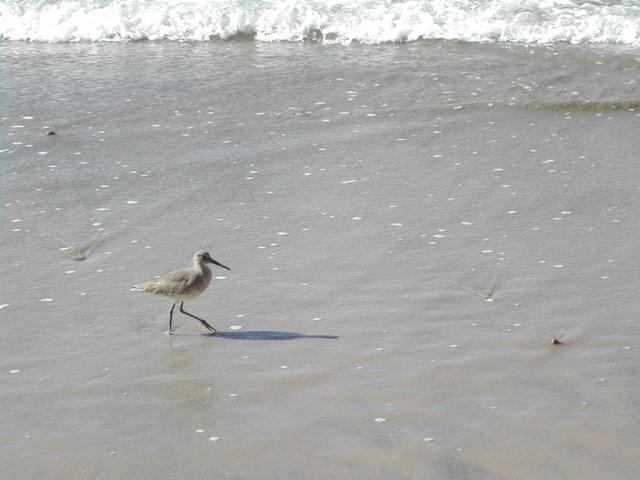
(265, 335)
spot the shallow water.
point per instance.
(376, 194)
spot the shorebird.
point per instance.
(183, 285)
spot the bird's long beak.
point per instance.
(215, 262)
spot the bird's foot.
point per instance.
(208, 327)
(168, 332)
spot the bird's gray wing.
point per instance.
(169, 284)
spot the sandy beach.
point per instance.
(408, 226)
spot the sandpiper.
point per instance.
(183, 284)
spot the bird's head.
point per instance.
(202, 257)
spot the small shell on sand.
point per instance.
(555, 341)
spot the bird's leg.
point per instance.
(171, 317)
(205, 324)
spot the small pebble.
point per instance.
(380, 420)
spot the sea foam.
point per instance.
(327, 21)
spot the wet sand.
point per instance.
(369, 201)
